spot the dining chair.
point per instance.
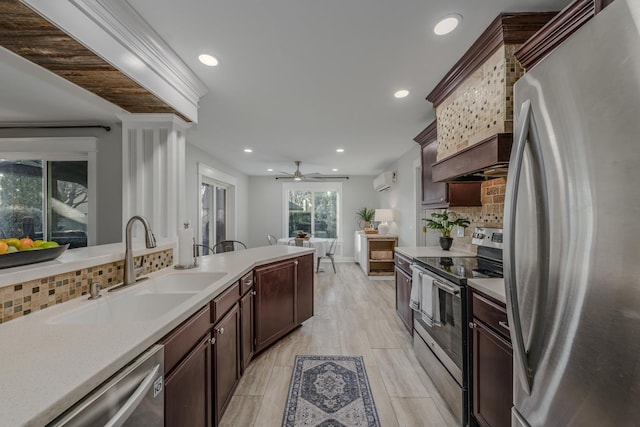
(228, 246)
(330, 252)
(272, 239)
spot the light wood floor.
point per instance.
(354, 316)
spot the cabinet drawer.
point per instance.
(493, 314)
(403, 263)
(246, 282)
(182, 339)
(223, 302)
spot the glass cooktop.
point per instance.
(460, 269)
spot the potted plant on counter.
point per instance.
(365, 215)
(444, 222)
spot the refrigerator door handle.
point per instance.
(513, 310)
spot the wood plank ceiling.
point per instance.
(29, 35)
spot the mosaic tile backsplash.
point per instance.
(21, 299)
(481, 106)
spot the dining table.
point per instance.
(318, 243)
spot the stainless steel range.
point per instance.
(440, 338)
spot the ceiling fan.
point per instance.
(298, 176)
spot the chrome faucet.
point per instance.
(150, 241)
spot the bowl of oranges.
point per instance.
(15, 251)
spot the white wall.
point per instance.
(402, 197)
(109, 174)
(266, 205)
(195, 155)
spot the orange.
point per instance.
(25, 242)
(3, 248)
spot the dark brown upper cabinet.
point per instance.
(437, 195)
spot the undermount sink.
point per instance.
(154, 298)
(182, 282)
(124, 308)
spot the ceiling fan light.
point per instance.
(297, 178)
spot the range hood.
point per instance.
(488, 159)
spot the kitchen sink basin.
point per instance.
(153, 298)
(182, 282)
(140, 307)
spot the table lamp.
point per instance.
(384, 216)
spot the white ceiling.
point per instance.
(297, 78)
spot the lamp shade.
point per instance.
(384, 215)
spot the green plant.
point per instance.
(366, 214)
(444, 222)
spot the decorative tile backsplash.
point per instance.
(21, 299)
(481, 106)
(491, 214)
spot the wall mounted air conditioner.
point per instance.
(384, 180)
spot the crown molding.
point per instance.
(113, 30)
(428, 135)
(151, 119)
(506, 28)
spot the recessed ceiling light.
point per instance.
(248, 150)
(334, 170)
(269, 170)
(209, 60)
(340, 150)
(447, 24)
(402, 93)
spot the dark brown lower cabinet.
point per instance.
(187, 389)
(246, 328)
(276, 311)
(403, 295)
(226, 360)
(206, 355)
(492, 370)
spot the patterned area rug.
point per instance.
(330, 391)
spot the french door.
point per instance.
(214, 212)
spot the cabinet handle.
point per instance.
(472, 325)
(220, 331)
(442, 199)
(295, 262)
(504, 325)
(213, 340)
(254, 293)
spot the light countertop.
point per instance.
(491, 287)
(47, 367)
(77, 259)
(431, 251)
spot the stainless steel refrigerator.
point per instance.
(572, 229)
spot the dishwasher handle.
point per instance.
(134, 400)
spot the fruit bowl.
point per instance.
(15, 259)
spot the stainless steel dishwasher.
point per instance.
(132, 397)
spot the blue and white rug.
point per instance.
(330, 391)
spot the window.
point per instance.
(44, 200)
(48, 195)
(216, 207)
(312, 208)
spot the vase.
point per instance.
(446, 242)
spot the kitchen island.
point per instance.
(49, 365)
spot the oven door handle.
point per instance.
(445, 287)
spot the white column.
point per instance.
(153, 168)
